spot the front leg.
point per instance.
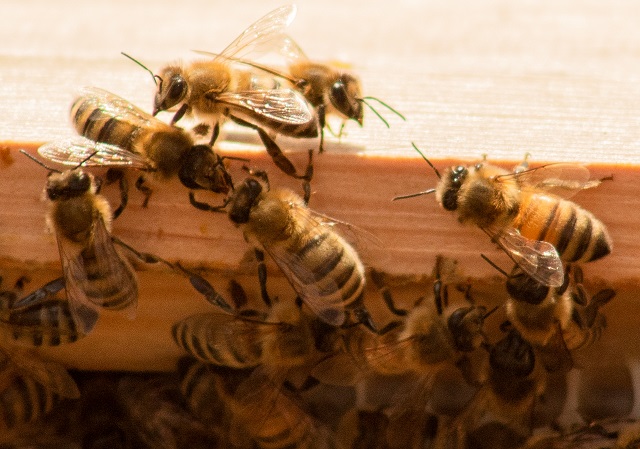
(146, 190)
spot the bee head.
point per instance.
(172, 89)
(345, 97)
(465, 325)
(201, 168)
(451, 183)
(512, 356)
(522, 287)
(69, 184)
(243, 200)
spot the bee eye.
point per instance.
(450, 199)
(339, 95)
(177, 88)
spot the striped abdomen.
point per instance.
(218, 342)
(576, 233)
(112, 286)
(24, 400)
(93, 122)
(42, 324)
(323, 268)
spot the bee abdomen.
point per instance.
(193, 335)
(576, 233)
(46, 324)
(112, 288)
(23, 401)
(95, 124)
(330, 266)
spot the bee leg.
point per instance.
(363, 317)
(321, 123)
(205, 206)
(378, 279)
(179, 113)
(113, 175)
(262, 277)
(238, 295)
(146, 191)
(214, 134)
(41, 294)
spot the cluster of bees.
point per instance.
(317, 371)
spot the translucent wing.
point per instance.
(281, 106)
(564, 180)
(300, 275)
(50, 374)
(103, 261)
(279, 44)
(118, 107)
(261, 35)
(80, 150)
(224, 334)
(537, 258)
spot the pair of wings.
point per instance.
(266, 35)
(109, 264)
(22, 363)
(539, 259)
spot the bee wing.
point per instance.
(282, 106)
(564, 180)
(50, 374)
(261, 35)
(221, 328)
(299, 275)
(80, 150)
(108, 264)
(539, 259)
(41, 295)
(266, 408)
(117, 107)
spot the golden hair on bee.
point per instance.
(96, 275)
(522, 212)
(322, 267)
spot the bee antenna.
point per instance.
(412, 195)
(156, 78)
(484, 317)
(86, 159)
(39, 162)
(427, 160)
(490, 262)
(364, 101)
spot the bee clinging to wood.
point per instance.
(522, 212)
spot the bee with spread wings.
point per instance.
(218, 87)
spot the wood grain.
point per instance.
(556, 79)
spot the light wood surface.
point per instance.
(558, 80)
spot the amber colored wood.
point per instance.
(502, 78)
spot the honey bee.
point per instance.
(30, 387)
(46, 322)
(323, 269)
(554, 320)
(96, 275)
(280, 341)
(124, 136)
(153, 408)
(217, 88)
(519, 211)
(500, 414)
(328, 87)
(274, 417)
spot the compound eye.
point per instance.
(177, 88)
(450, 199)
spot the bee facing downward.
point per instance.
(324, 270)
(95, 274)
(135, 139)
(522, 213)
